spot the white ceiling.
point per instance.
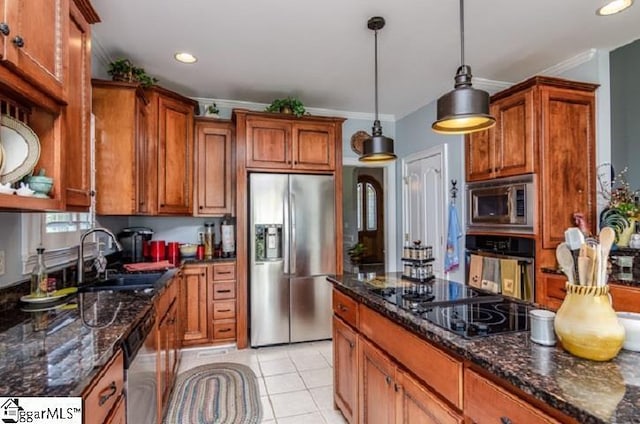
(322, 51)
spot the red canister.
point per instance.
(157, 250)
(200, 252)
(173, 253)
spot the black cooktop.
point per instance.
(465, 310)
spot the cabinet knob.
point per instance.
(4, 28)
(505, 420)
(202, 274)
(388, 380)
(200, 207)
(18, 41)
(351, 345)
(162, 205)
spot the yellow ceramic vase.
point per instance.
(586, 325)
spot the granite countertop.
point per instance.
(590, 392)
(52, 353)
(207, 261)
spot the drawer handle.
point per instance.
(342, 308)
(223, 291)
(505, 420)
(224, 310)
(225, 330)
(223, 272)
(107, 393)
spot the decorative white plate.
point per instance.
(21, 149)
(1, 157)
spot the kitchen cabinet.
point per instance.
(123, 178)
(486, 402)
(77, 114)
(222, 306)
(274, 141)
(171, 143)
(196, 325)
(102, 395)
(167, 342)
(345, 359)
(214, 173)
(418, 405)
(33, 42)
(509, 147)
(376, 385)
(119, 413)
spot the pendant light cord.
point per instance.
(461, 32)
(376, 70)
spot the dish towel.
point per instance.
(510, 273)
(491, 274)
(475, 271)
(451, 257)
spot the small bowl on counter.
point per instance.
(631, 323)
(188, 250)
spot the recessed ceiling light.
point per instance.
(613, 7)
(185, 57)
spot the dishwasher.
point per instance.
(140, 372)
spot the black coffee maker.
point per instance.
(133, 241)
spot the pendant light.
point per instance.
(465, 109)
(377, 148)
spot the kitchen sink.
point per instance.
(123, 282)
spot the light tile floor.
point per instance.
(296, 381)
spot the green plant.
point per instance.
(123, 70)
(281, 105)
(356, 252)
(213, 109)
(616, 219)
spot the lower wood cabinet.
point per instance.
(119, 413)
(376, 385)
(417, 405)
(102, 396)
(167, 342)
(209, 303)
(345, 358)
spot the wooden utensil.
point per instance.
(591, 254)
(565, 260)
(584, 265)
(607, 237)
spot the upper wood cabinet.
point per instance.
(78, 111)
(214, 174)
(509, 147)
(33, 42)
(275, 141)
(171, 133)
(122, 174)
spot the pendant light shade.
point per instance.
(465, 109)
(377, 148)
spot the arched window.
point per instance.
(367, 204)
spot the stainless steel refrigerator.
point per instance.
(292, 249)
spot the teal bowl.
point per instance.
(40, 184)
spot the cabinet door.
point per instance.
(164, 384)
(513, 135)
(268, 144)
(417, 405)
(214, 172)
(144, 200)
(567, 161)
(314, 146)
(173, 342)
(195, 313)
(78, 111)
(175, 156)
(345, 366)
(376, 385)
(478, 152)
(34, 47)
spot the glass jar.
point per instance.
(39, 280)
(208, 240)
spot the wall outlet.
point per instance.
(1, 262)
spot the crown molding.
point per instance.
(491, 86)
(231, 104)
(570, 63)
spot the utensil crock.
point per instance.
(586, 325)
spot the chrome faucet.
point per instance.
(81, 249)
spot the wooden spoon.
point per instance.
(565, 260)
(584, 265)
(607, 237)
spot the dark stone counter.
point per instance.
(590, 392)
(52, 353)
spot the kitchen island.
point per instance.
(542, 380)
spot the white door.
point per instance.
(424, 204)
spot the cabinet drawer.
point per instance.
(224, 272)
(224, 330)
(103, 392)
(556, 288)
(346, 308)
(226, 290)
(625, 298)
(224, 310)
(486, 402)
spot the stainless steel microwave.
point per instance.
(502, 205)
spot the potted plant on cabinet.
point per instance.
(287, 105)
(212, 111)
(123, 70)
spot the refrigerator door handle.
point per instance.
(293, 247)
(285, 236)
